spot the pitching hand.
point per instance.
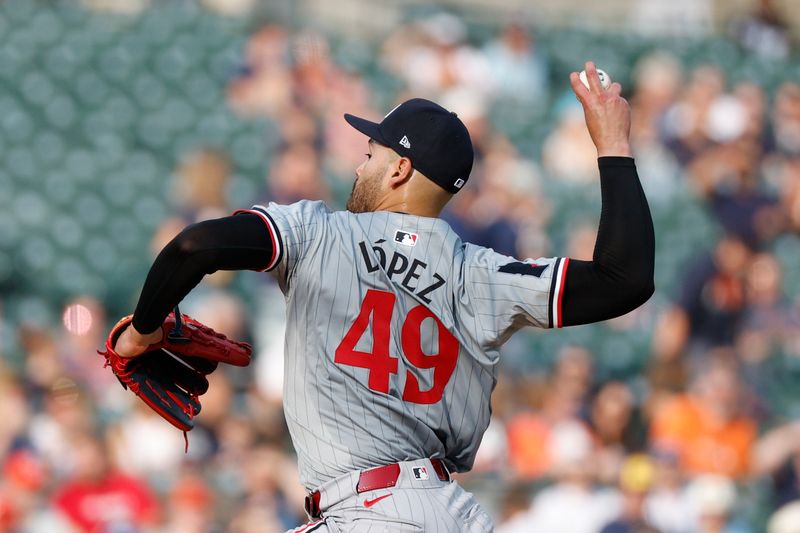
(607, 114)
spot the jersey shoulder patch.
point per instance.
(526, 269)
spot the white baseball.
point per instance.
(605, 79)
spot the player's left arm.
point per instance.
(620, 276)
(237, 242)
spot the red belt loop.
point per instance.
(441, 470)
(312, 505)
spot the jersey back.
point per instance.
(393, 333)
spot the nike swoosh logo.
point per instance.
(370, 503)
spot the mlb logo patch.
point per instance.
(420, 472)
(403, 237)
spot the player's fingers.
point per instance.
(615, 89)
(578, 87)
(593, 78)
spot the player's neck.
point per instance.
(418, 196)
(409, 206)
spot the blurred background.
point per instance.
(121, 121)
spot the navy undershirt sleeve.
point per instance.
(620, 276)
(239, 242)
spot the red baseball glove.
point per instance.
(171, 375)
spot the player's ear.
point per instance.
(401, 171)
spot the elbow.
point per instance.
(647, 291)
(186, 243)
(638, 292)
(641, 281)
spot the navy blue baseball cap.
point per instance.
(433, 138)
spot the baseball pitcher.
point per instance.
(394, 324)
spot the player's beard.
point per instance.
(365, 194)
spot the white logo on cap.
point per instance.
(459, 183)
(405, 142)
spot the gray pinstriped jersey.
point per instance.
(393, 333)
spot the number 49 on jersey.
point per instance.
(381, 364)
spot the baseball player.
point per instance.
(394, 324)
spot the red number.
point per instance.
(443, 363)
(380, 305)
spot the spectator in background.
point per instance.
(617, 428)
(685, 123)
(295, 174)
(568, 153)
(668, 371)
(84, 330)
(635, 480)
(667, 505)
(753, 99)
(434, 57)
(676, 18)
(145, 445)
(272, 492)
(764, 32)
(342, 146)
(67, 410)
(201, 184)
(22, 474)
(190, 506)
(777, 456)
(15, 412)
(42, 364)
(97, 497)
(726, 176)
(556, 407)
(555, 508)
(518, 72)
(707, 427)
(314, 73)
(657, 79)
(264, 82)
(785, 118)
(769, 322)
(713, 295)
(788, 180)
(713, 498)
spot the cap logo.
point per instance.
(459, 183)
(405, 142)
(405, 238)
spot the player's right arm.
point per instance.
(506, 294)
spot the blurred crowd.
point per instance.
(693, 443)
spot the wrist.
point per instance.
(615, 150)
(145, 338)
